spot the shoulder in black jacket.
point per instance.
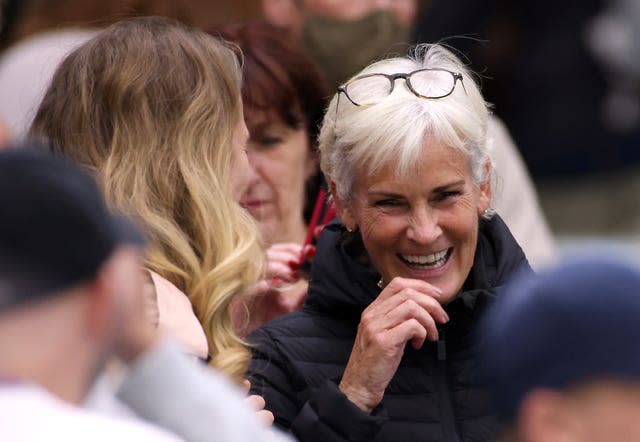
(435, 394)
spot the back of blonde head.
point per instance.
(149, 106)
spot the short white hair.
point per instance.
(395, 129)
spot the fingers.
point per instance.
(407, 310)
(279, 273)
(265, 416)
(284, 251)
(290, 252)
(398, 284)
(283, 260)
(383, 307)
(375, 358)
(309, 251)
(257, 404)
(412, 331)
(410, 311)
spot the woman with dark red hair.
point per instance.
(284, 98)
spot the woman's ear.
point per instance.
(485, 188)
(344, 209)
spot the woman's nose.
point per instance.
(253, 166)
(423, 226)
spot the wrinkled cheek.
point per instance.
(470, 252)
(367, 224)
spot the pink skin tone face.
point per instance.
(609, 411)
(423, 225)
(281, 163)
(596, 411)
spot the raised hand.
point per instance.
(283, 291)
(407, 310)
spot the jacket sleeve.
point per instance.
(168, 388)
(321, 413)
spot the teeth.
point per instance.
(434, 260)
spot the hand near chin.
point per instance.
(407, 310)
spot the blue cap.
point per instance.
(567, 325)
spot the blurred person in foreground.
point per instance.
(284, 99)
(72, 299)
(384, 347)
(562, 356)
(169, 151)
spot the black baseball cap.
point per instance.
(55, 230)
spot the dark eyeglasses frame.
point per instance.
(407, 79)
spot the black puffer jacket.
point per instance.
(434, 395)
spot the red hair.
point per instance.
(281, 81)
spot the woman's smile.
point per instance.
(427, 262)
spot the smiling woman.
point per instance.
(422, 224)
(415, 259)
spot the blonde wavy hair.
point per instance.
(149, 106)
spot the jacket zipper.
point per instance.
(447, 416)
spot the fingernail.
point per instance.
(311, 252)
(294, 265)
(276, 282)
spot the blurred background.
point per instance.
(565, 78)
